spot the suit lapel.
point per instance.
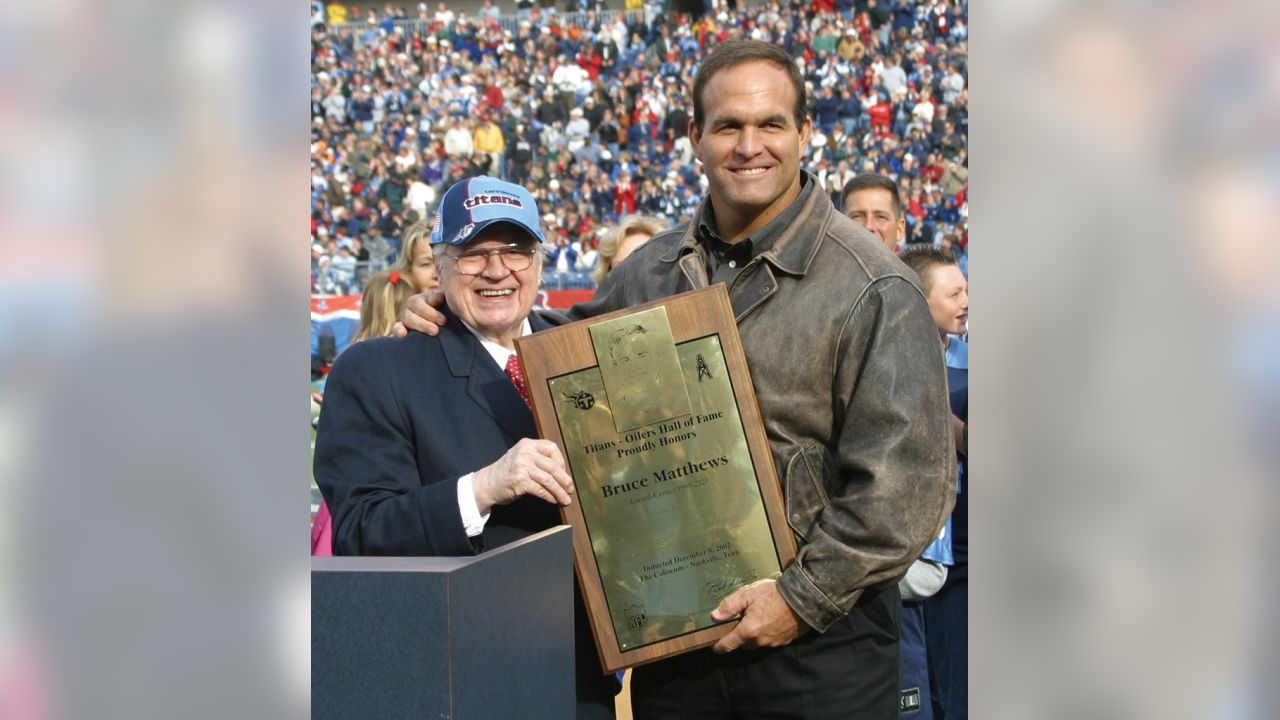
(492, 390)
(487, 384)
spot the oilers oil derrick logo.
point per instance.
(636, 617)
(582, 400)
(703, 370)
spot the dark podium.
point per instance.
(469, 638)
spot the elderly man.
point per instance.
(846, 365)
(425, 446)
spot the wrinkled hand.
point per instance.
(767, 619)
(421, 313)
(530, 467)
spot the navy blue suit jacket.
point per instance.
(403, 419)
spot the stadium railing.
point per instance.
(567, 281)
(334, 282)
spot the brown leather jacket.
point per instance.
(848, 369)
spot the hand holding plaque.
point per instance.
(767, 619)
(530, 467)
(678, 501)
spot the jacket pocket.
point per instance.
(803, 483)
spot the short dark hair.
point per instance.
(732, 53)
(870, 181)
(923, 259)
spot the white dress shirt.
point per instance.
(472, 520)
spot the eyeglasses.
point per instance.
(473, 262)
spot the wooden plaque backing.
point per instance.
(558, 351)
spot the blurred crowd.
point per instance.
(589, 109)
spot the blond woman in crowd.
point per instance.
(380, 307)
(416, 261)
(622, 239)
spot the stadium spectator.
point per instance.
(893, 78)
(624, 195)
(955, 178)
(577, 130)
(827, 108)
(874, 202)
(589, 257)
(564, 255)
(618, 242)
(946, 612)
(417, 262)
(344, 268)
(381, 304)
(458, 139)
(335, 13)
(488, 139)
(419, 197)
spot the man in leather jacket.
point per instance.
(847, 367)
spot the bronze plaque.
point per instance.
(677, 501)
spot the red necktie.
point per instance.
(517, 379)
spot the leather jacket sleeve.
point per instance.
(889, 479)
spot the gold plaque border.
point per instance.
(567, 349)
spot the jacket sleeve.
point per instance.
(890, 474)
(610, 295)
(366, 467)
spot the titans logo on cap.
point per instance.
(471, 205)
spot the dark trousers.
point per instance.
(850, 671)
(947, 617)
(915, 664)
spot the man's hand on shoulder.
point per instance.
(422, 314)
(767, 619)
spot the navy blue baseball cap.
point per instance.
(474, 204)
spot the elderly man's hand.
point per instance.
(530, 467)
(421, 313)
(767, 619)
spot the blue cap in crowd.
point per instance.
(472, 205)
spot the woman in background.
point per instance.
(622, 239)
(416, 261)
(383, 300)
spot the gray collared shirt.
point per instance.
(725, 261)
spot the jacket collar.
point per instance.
(793, 251)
